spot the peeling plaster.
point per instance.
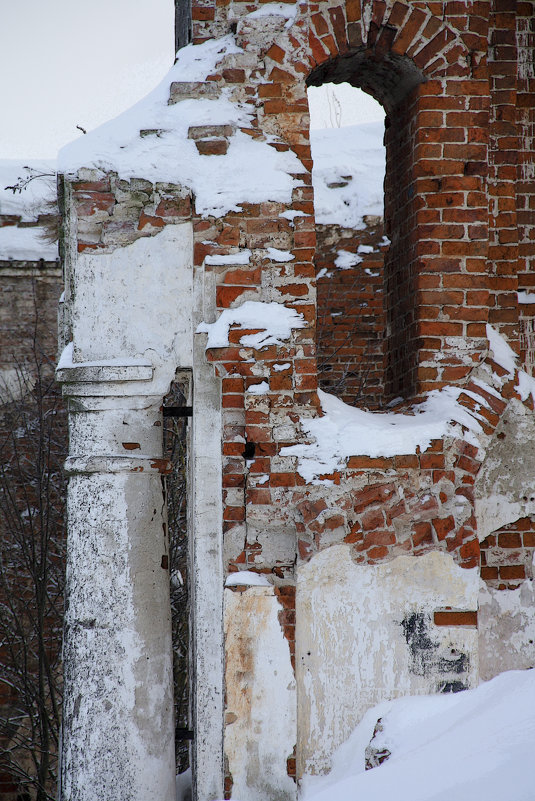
(356, 642)
(505, 485)
(113, 309)
(117, 656)
(506, 629)
(261, 702)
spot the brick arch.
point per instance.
(414, 44)
(404, 30)
(415, 65)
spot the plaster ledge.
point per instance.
(75, 465)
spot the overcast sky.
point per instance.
(80, 62)
(65, 63)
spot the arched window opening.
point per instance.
(346, 133)
(369, 319)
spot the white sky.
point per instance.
(81, 62)
(76, 62)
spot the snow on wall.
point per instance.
(168, 155)
(261, 702)
(344, 431)
(376, 622)
(275, 321)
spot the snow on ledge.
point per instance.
(280, 256)
(503, 354)
(526, 297)
(289, 12)
(344, 431)
(275, 321)
(247, 578)
(66, 360)
(220, 183)
(467, 746)
(243, 257)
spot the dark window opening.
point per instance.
(175, 423)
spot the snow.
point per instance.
(279, 255)
(344, 431)
(345, 260)
(526, 297)
(280, 367)
(275, 321)
(525, 386)
(470, 745)
(30, 201)
(26, 244)
(277, 10)
(354, 159)
(66, 360)
(243, 257)
(247, 578)
(184, 785)
(258, 389)
(219, 183)
(290, 215)
(503, 354)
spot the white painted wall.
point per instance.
(351, 648)
(260, 731)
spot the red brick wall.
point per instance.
(507, 554)
(350, 327)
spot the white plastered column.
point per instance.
(118, 730)
(132, 313)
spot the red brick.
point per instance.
(453, 618)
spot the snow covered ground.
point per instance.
(348, 173)
(475, 745)
(26, 243)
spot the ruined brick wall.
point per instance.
(29, 295)
(458, 214)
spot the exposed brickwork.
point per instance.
(448, 180)
(507, 554)
(286, 596)
(112, 213)
(350, 327)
